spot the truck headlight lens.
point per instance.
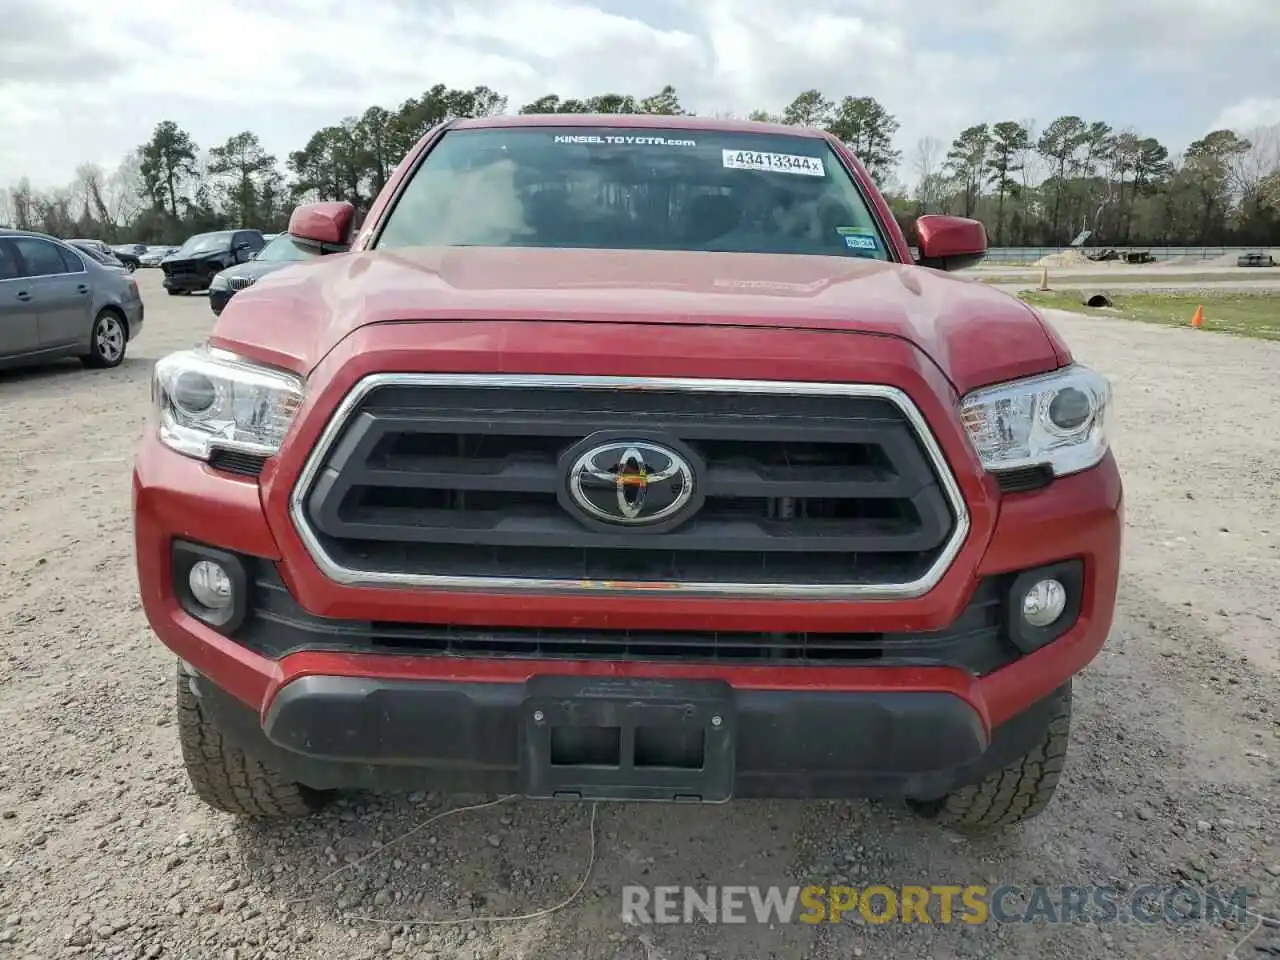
(1057, 420)
(210, 399)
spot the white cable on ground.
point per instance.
(582, 884)
(1262, 920)
(456, 921)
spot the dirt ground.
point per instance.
(1174, 778)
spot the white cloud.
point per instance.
(1249, 114)
(95, 89)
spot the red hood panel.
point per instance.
(976, 335)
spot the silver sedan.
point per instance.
(56, 301)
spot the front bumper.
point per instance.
(189, 282)
(219, 298)
(353, 733)
(331, 717)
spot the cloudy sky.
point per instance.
(84, 80)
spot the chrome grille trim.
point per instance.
(349, 576)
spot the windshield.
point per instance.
(207, 243)
(284, 248)
(635, 189)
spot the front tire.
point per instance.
(1018, 792)
(227, 778)
(107, 342)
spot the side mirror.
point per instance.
(950, 243)
(327, 224)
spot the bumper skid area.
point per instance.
(584, 738)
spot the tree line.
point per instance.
(1030, 185)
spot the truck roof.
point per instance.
(642, 121)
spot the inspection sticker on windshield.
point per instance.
(855, 242)
(776, 162)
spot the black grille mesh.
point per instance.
(456, 481)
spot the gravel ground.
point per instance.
(1174, 776)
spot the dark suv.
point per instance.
(203, 256)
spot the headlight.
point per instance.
(1057, 420)
(210, 399)
(219, 282)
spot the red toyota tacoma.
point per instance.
(629, 458)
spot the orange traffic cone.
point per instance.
(1197, 319)
(1044, 278)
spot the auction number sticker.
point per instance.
(776, 162)
(856, 242)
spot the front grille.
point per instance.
(277, 626)
(239, 283)
(458, 481)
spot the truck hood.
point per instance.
(974, 334)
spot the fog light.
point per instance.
(1043, 603)
(210, 584)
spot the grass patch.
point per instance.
(1254, 315)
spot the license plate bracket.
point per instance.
(625, 739)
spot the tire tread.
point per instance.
(227, 778)
(1018, 792)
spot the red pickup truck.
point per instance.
(631, 458)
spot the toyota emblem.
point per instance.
(631, 482)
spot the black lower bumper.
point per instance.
(218, 300)
(616, 739)
(188, 282)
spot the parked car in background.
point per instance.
(279, 253)
(1256, 258)
(129, 249)
(57, 300)
(154, 255)
(106, 255)
(205, 255)
(130, 260)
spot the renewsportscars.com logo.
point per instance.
(935, 904)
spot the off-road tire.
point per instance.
(228, 779)
(1016, 793)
